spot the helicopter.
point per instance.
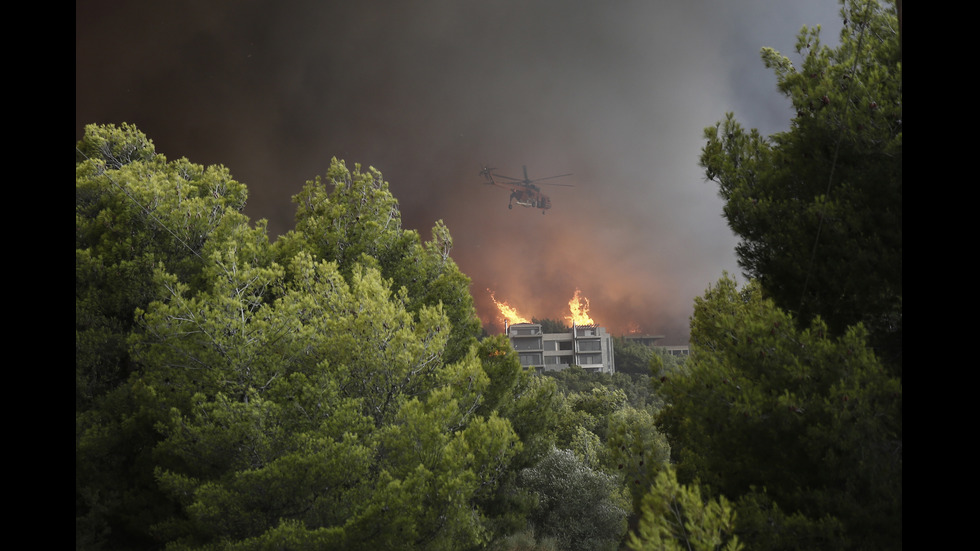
(524, 192)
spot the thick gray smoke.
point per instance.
(617, 93)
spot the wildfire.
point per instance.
(508, 312)
(579, 307)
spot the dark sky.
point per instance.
(617, 92)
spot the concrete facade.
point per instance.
(587, 346)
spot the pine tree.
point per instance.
(575, 503)
(781, 419)
(676, 517)
(135, 211)
(818, 208)
(351, 217)
(325, 391)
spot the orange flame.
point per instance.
(508, 312)
(579, 307)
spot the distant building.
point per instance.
(587, 346)
(645, 340)
(651, 340)
(676, 350)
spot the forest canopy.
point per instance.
(327, 390)
(331, 389)
(233, 390)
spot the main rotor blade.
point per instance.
(551, 177)
(553, 184)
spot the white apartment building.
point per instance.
(587, 346)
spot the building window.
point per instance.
(527, 344)
(589, 346)
(589, 359)
(530, 359)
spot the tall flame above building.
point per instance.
(507, 312)
(579, 307)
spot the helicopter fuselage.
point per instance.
(522, 191)
(530, 198)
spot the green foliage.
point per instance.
(676, 517)
(635, 388)
(503, 367)
(797, 418)
(637, 451)
(577, 505)
(525, 541)
(135, 212)
(814, 420)
(592, 409)
(532, 405)
(326, 391)
(608, 423)
(533, 409)
(574, 379)
(114, 146)
(761, 521)
(329, 406)
(350, 217)
(633, 358)
(819, 208)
